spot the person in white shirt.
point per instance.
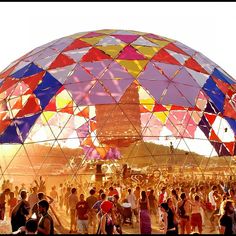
(213, 203)
(211, 197)
(132, 200)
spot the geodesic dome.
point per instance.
(103, 90)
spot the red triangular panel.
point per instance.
(211, 118)
(224, 87)
(230, 146)
(163, 56)
(7, 72)
(33, 81)
(214, 137)
(61, 61)
(77, 44)
(174, 48)
(159, 108)
(8, 82)
(31, 107)
(51, 106)
(68, 109)
(178, 108)
(84, 113)
(192, 64)
(18, 104)
(4, 123)
(92, 125)
(94, 54)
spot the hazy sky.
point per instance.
(205, 27)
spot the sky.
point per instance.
(207, 27)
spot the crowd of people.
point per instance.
(184, 206)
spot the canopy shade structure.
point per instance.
(110, 88)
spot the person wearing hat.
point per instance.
(106, 224)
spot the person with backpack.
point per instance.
(183, 209)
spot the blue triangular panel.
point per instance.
(33, 69)
(24, 124)
(20, 73)
(222, 76)
(10, 135)
(47, 89)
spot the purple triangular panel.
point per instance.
(184, 77)
(79, 75)
(98, 95)
(155, 88)
(80, 91)
(117, 87)
(168, 69)
(186, 49)
(116, 72)
(96, 68)
(189, 92)
(61, 74)
(151, 73)
(62, 44)
(174, 97)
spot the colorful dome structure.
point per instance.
(104, 90)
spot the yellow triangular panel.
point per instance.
(161, 116)
(75, 36)
(149, 52)
(93, 40)
(112, 50)
(159, 43)
(105, 31)
(63, 99)
(47, 115)
(134, 67)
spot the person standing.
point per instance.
(184, 214)
(196, 217)
(46, 224)
(82, 210)
(226, 220)
(144, 214)
(168, 218)
(19, 212)
(3, 195)
(72, 201)
(12, 202)
(33, 198)
(153, 204)
(106, 224)
(132, 200)
(91, 200)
